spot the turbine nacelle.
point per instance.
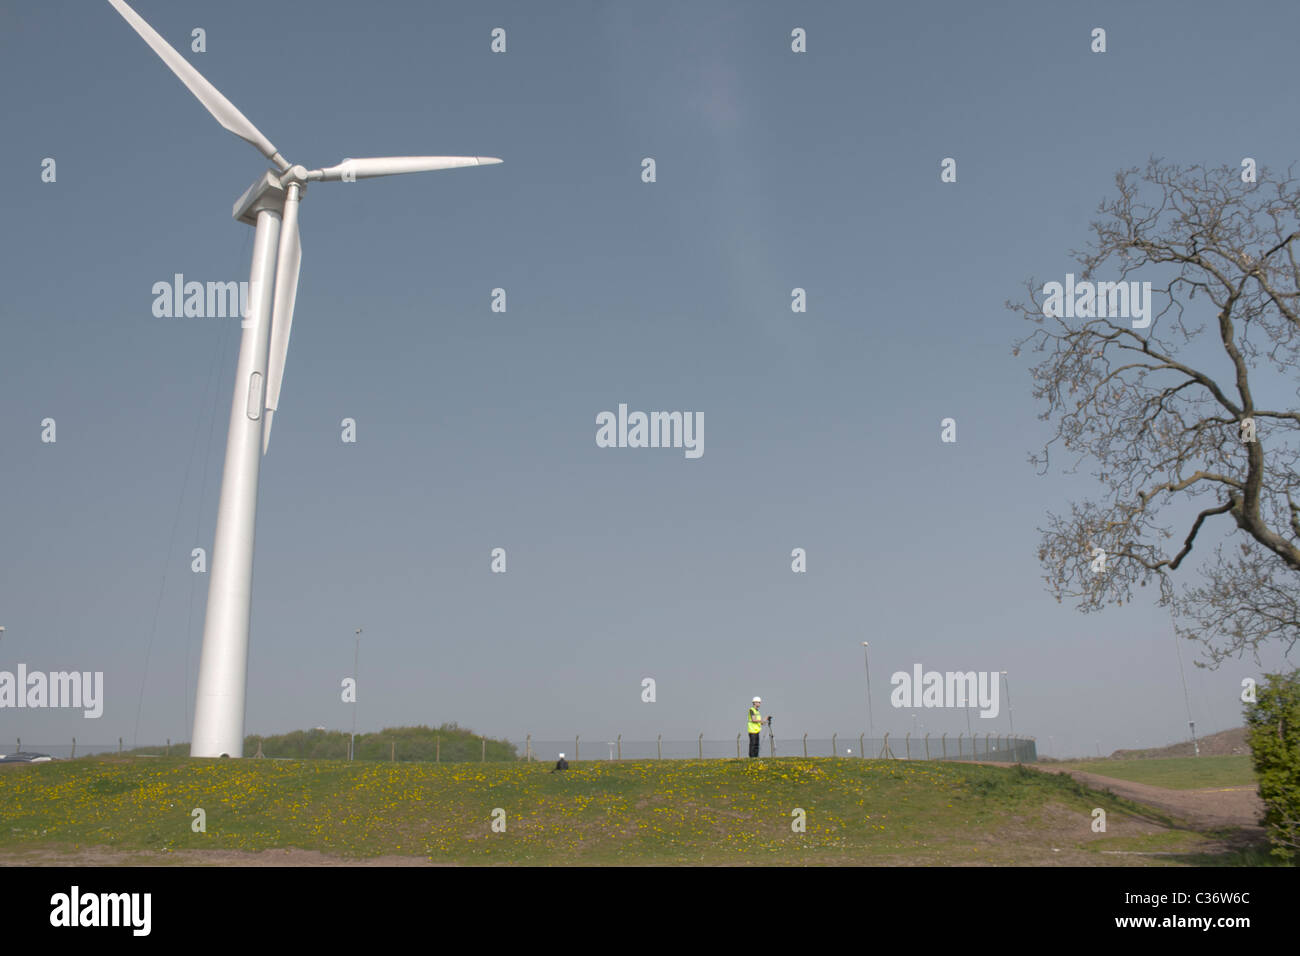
(267, 192)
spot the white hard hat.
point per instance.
(561, 756)
(758, 700)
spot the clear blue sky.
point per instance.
(476, 429)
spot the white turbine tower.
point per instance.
(271, 206)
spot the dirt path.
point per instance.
(110, 856)
(1207, 809)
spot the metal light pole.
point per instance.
(1010, 716)
(356, 657)
(1187, 701)
(866, 660)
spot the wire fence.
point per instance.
(74, 748)
(988, 747)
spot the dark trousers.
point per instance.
(753, 744)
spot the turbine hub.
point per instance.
(292, 174)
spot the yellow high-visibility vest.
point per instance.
(755, 721)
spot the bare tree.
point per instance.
(1165, 411)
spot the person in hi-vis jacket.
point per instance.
(755, 726)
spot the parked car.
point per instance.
(24, 756)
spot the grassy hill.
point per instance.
(1215, 745)
(671, 811)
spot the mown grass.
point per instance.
(1175, 773)
(674, 811)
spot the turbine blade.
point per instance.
(351, 169)
(221, 108)
(288, 261)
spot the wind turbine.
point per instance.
(271, 206)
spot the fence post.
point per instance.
(169, 747)
(834, 747)
(528, 749)
(74, 747)
(437, 750)
(737, 746)
(945, 746)
(119, 745)
(805, 745)
(620, 746)
(771, 742)
(986, 746)
(927, 745)
(659, 742)
(908, 742)
(701, 746)
(392, 751)
(960, 752)
(575, 748)
(862, 747)
(483, 759)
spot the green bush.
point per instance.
(448, 742)
(1273, 732)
